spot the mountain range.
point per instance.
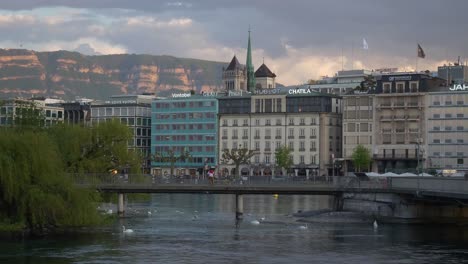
(66, 74)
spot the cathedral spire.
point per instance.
(250, 68)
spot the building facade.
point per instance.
(390, 121)
(133, 111)
(447, 130)
(308, 123)
(52, 112)
(185, 123)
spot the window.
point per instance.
(436, 141)
(414, 87)
(301, 146)
(257, 159)
(448, 128)
(291, 133)
(225, 122)
(302, 121)
(448, 140)
(291, 145)
(460, 115)
(301, 158)
(437, 116)
(267, 159)
(437, 154)
(267, 122)
(278, 144)
(436, 128)
(257, 133)
(278, 122)
(245, 133)
(460, 161)
(448, 115)
(234, 122)
(257, 122)
(400, 87)
(267, 133)
(302, 132)
(312, 121)
(386, 88)
(459, 140)
(460, 128)
(278, 133)
(257, 145)
(225, 133)
(448, 154)
(291, 121)
(246, 122)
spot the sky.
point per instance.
(297, 39)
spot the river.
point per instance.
(200, 228)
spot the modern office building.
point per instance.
(133, 111)
(185, 123)
(454, 74)
(52, 112)
(447, 130)
(390, 121)
(307, 122)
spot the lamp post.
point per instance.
(418, 152)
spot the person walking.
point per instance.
(211, 177)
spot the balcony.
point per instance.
(400, 117)
(278, 137)
(313, 137)
(224, 137)
(245, 137)
(412, 104)
(400, 130)
(267, 137)
(386, 118)
(234, 137)
(301, 137)
(290, 137)
(257, 137)
(385, 105)
(313, 149)
(394, 156)
(413, 130)
(267, 149)
(413, 117)
(399, 104)
(301, 149)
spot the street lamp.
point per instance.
(418, 152)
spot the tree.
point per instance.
(95, 149)
(283, 157)
(238, 156)
(368, 83)
(34, 192)
(171, 157)
(361, 157)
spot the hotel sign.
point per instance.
(300, 91)
(459, 87)
(267, 91)
(400, 78)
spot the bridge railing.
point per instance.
(147, 179)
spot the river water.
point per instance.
(200, 228)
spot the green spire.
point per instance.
(250, 69)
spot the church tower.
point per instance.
(265, 78)
(234, 76)
(250, 69)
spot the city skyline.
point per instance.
(298, 41)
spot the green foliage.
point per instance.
(95, 150)
(369, 82)
(361, 157)
(237, 156)
(34, 190)
(283, 157)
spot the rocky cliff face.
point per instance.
(66, 74)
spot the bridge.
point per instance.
(440, 190)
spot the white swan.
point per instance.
(109, 211)
(255, 222)
(262, 219)
(303, 227)
(149, 213)
(126, 231)
(375, 224)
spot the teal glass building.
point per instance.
(184, 123)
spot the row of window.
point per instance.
(400, 87)
(245, 122)
(449, 141)
(120, 111)
(167, 138)
(179, 149)
(449, 115)
(267, 145)
(278, 132)
(130, 121)
(182, 104)
(267, 159)
(449, 128)
(177, 127)
(176, 116)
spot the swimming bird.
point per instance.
(262, 219)
(375, 224)
(109, 211)
(303, 227)
(126, 231)
(255, 222)
(149, 213)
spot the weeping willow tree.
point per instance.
(33, 190)
(97, 149)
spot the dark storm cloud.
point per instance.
(391, 27)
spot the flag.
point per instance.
(421, 53)
(364, 44)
